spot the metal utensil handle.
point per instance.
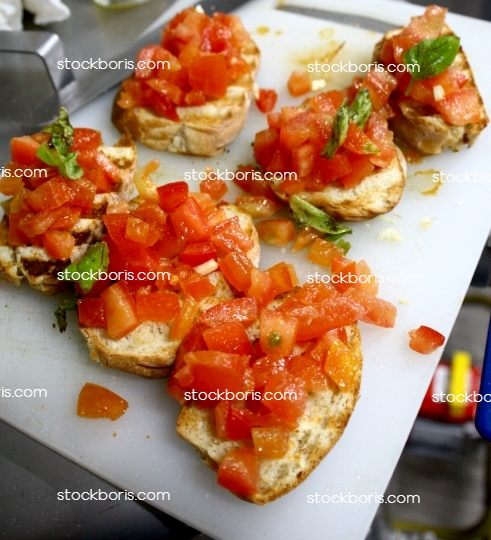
(47, 46)
(483, 413)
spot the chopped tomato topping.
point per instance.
(159, 306)
(270, 442)
(299, 83)
(278, 232)
(228, 337)
(96, 401)
(425, 340)
(58, 244)
(239, 471)
(266, 100)
(120, 310)
(243, 310)
(342, 365)
(285, 396)
(215, 188)
(91, 312)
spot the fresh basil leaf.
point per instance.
(339, 132)
(431, 57)
(345, 246)
(307, 214)
(60, 313)
(361, 108)
(337, 236)
(61, 128)
(92, 264)
(56, 152)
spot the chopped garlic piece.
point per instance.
(255, 91)
(438, 92)
(199, 9)
(317, 84)
(390, 234)
(426, 223)
(206, 268)
(405, 301)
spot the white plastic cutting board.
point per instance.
(141, 451)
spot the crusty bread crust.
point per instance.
(34, 264)
(324, 421)
(148, 350)
(425, 131)
(377, 194)
(202, 131)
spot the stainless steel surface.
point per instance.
(341, 18)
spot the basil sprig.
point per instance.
(361, 108)
(308, 215)
(88, 269)
(432, 57)
(339, 132)
(56, 152)
(60, 313)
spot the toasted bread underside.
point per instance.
(377, 194)
(34, 264)
(148, 351)
(202, 131)
(428, 133)
(325, 418)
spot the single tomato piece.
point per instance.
(425, 340)
(58, 244)
(461, 107)
(377, 311)
(277, 232)
(232, 422)
(216, 188)
(278, 333)
(284, 277)
(172, 195)
(237, 269)
(285, 396)
(299, 83)
(228, 337)
(161, 306)
(239, 471)
(270, 442)
(243, 310)
(342, 365)
(120, 310)
(324, 252)
(95, 401)
(91, 312)
(266, 100)
(86, 139)
(190, 222)
(185, 319)
(23, 150)
(258, 207)
(198, 253)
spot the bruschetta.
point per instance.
(191, 94)
(436, 102)
(58, 194)
(336, 152)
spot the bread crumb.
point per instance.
(114, 434)
(148, 436)
(426, 223)
(405, 301)
(388, 219)
(317, 84)
(390, 234)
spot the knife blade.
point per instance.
(342, 18)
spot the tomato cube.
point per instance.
(159, 306)
(425, 340)
(270, 442)
(172, 195)
(285, 396)
(198, 253)
(237, 268)
(266, 100)
(299, 83)
(377, 311)
(23, 150)
(190, 222)
(58, 244)
(228, 337)
(185, 319)
(278, 333)
(243, 310)
(239, 472)
(342, 365)
(258, 207)
(215, 188)
(91, 312)
(95, 401)
(120, 310)
(324, 252)
(277, 232)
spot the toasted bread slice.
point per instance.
(202, 131)
(427, 132)
(34, 264)
(148, 351)
(377, 194)
(322, 424)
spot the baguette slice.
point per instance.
(202, 131)
(428, 133)
(34, 264)
(321, 426)
(148, 351)
(377, 194)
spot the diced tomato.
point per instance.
(243, 310)
(91, 312)
(228, 337)
(310, 371)
(291, 393)
(262, 287)
(83, 193)
(49, 195)
(342, 365)
(58, 244)
(190, 222)
(461, 108)
(137, 230)
(332, 169)
(35, 224)
(299, 83)
(199, 287)
(208, 73)
(265, 145)
(380, 85)
(159, 306)
(108, 167)
(274, 120)
(278, 232)
(120, 310)
(356, 141)
(229, 237)
(284, 277)
(172, 195)
(195, 98)
(266, 100)
(215, 188)
(11, 185)
(233, 422)
(237, 268)
(367, 281)
(86, 139)
(270, 442)
(258, 207)
(361, 167)
(378, 311)
(23, 150)
(239, 472)
(144, 61)
(67, 221)
(171, 91)
(95, 401)
(151, 213)
(323, 252)
(305, 237)
(245, 177)
(327, 102)
(205, 202)
(425, 340)
(198, 253)
(296, 130)
(278, 333)
(185, 319)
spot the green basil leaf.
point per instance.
(307, 214)
(93, 263)
(339, 132)
(345, 246)
(337, 236)
(432, 56)
(361, 108)
(56, 152)
(60, 313)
